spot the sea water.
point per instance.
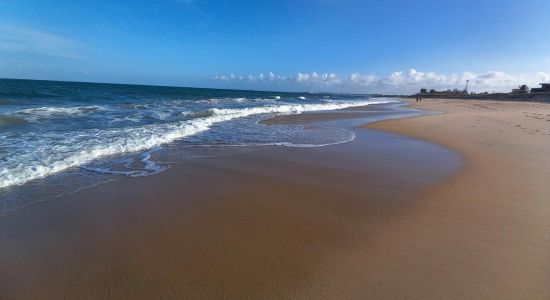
(69, 135)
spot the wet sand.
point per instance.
(378, 217)
(269, 223)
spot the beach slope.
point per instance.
(486, 232)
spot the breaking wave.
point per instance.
(40, 154)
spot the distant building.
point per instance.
(544, 88)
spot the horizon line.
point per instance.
(199, 88)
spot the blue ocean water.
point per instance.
(90, 130)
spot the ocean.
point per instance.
(58, 137)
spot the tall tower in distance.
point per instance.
(465, 91)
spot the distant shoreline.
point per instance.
(530, 97)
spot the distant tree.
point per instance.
(432, 91)
(523, 88)
(423, 91)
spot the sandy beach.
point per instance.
(486, 231)
(453, 205)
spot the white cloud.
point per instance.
(325, 78)
(396, 82)
(488, 81)
(33, 41)
(543, 77)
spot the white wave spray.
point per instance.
(77, 149)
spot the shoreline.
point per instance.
(371, 218)
(128, 145)
(506, 97)
(266, 223)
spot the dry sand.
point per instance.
(486, 232)
(357, 220)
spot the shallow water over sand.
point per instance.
(386, 153)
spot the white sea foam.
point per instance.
(150, 167)
(53, 110)
(211, 100)
(43, 155)
(162, 115)
(36, 113)
(125, 119)
(352, 137)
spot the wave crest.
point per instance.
(78, 148)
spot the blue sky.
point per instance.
(313, 45)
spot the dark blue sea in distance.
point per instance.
(57, 137)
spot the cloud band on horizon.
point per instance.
(397, 82)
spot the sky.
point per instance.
(301, 45)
